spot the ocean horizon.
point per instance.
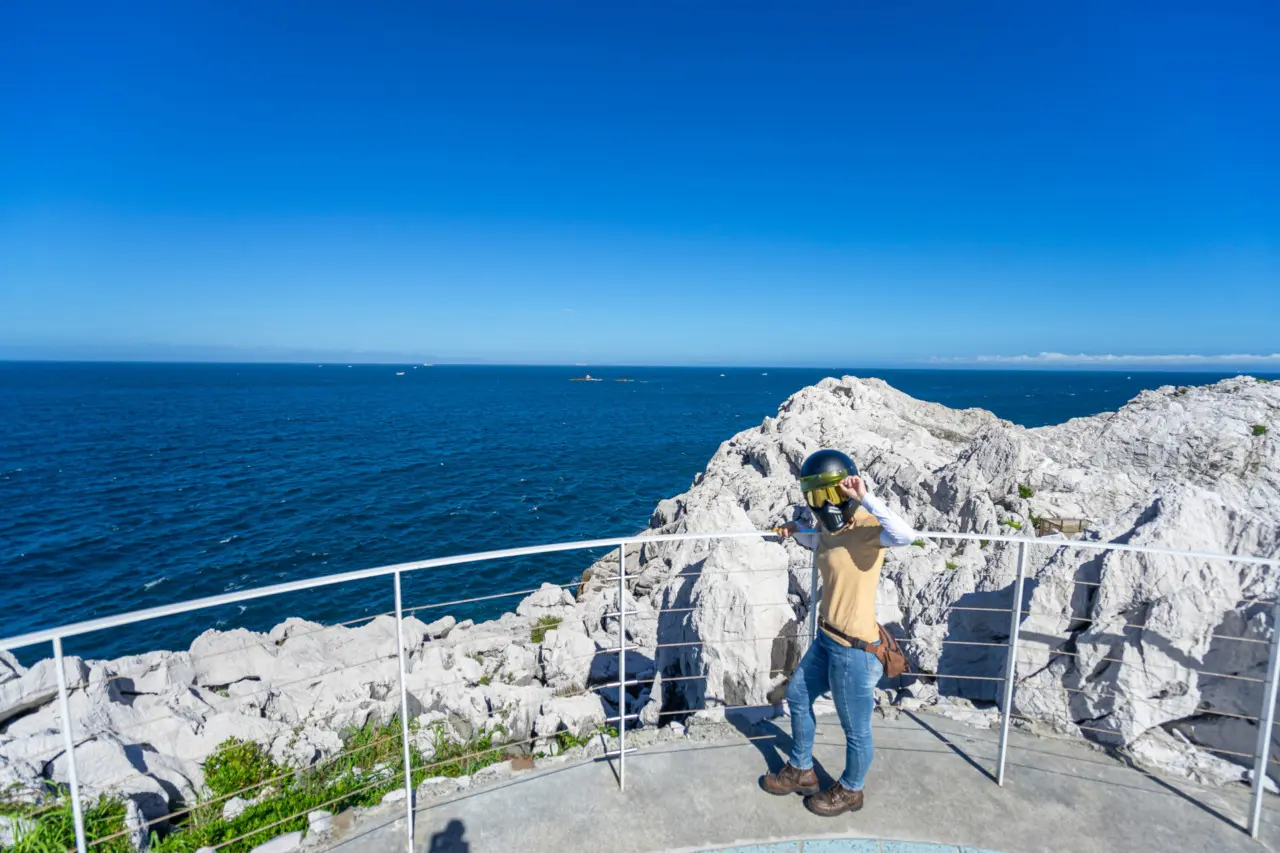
(1170, 365)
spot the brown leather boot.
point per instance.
(789, 780)
(835, 800)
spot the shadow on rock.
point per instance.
(604, 680)
(986, 622)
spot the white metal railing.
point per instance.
(1265, 719)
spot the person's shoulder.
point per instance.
(863, 518)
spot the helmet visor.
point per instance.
(828, 494)
(815, 482)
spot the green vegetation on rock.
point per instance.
(235, 765)
(370, 765)
(52, 828)
(542, 626)
(566, 740)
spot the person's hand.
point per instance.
(853, 487)
(788, 529)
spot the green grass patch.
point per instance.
(542, 626)
(54, 830)
(1016, 525)
(11, 806)
(951, 566)
(1181, 392)
(1036, 520)
(919, 543)
(1259, 429)
(235, 765)
(566, 740)
(1025, 491)
(372, 765)
(461, 759)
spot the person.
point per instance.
(855, 528)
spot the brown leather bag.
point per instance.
(891, 655)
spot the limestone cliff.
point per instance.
(1116, 647)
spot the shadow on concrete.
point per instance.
(950, 744)
(774, 744)
(612, 762)
(1116, 762)
(1200, 804)
(774, 749)
(451, 839)
(778, 747)
(1167, 789)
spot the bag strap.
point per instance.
(860, 645)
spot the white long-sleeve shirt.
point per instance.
(894, 528)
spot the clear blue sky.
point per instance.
(763, 183)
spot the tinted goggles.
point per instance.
(822, 488)
(830, 494)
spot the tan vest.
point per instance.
(850, 562)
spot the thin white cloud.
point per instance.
(1065, 359)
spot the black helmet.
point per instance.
(819, 476)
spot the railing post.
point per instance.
(622, 667)
(76, 812)
(1011, 663)
(813, 601)
(1266, 719)
(404, 717)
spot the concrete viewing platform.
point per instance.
(931, 784)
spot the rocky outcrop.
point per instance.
(144, 725)
(1156, 655)
(1126, 649)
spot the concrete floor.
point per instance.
(931, 782)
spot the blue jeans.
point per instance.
(852, 676)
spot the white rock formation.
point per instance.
(280, 844)
(1117, 643)
(565, 657)
(1134, 651)
(319, 822)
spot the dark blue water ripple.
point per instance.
(131, 486)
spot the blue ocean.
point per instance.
(127, 486)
